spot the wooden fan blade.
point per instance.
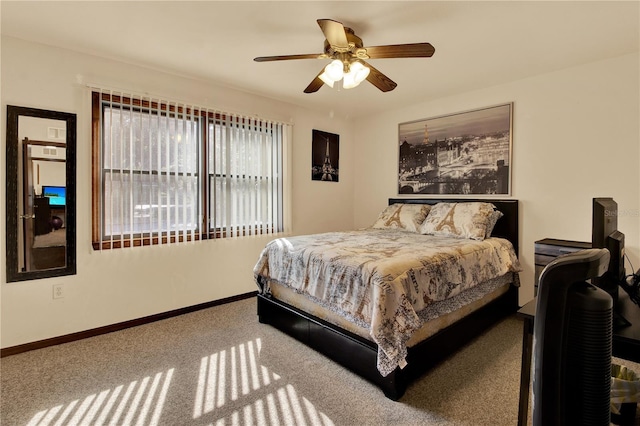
(379, 80)
(287, 57)
(334, 33)
(413, 50)
(315, 84)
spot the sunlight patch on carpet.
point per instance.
(235, 377)
(282, 406)
(118, 406)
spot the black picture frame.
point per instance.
(325, 156)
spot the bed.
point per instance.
(50, 250)
(390, 315)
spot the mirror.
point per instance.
(41, 193)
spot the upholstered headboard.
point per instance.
(506, 227)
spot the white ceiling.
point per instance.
(478, 44)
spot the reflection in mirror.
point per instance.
(40, 193)
(43, 243)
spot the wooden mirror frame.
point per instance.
(13, 156)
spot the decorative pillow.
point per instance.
(493, 219)
(403, 216)
(459, 220)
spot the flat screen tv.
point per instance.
(57, 195)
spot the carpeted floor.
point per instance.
(220, 366)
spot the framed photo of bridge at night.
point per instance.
(466, 153)
(325, 153)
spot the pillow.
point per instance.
(493, 219)
(459, 220)
(408, 217)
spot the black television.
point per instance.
(57, 195)
(605, 234)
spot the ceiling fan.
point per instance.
(348, 54)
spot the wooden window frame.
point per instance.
(102, 242)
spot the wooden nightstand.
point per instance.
(548, 249)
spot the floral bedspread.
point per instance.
(383, 278)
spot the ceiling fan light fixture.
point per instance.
(334, 71)
(356, 75)
(325, 79)
(349, 81)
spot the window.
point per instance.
(167, 172)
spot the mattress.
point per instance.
(437, 317)
(56, 238)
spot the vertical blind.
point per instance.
(167, 172)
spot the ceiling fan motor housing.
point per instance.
(354, 50)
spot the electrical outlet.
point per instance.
(58, 291)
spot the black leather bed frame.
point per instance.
(359, 355)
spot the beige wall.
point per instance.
(575, 137)
(119, 285)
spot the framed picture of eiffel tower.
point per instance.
(325, 154)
